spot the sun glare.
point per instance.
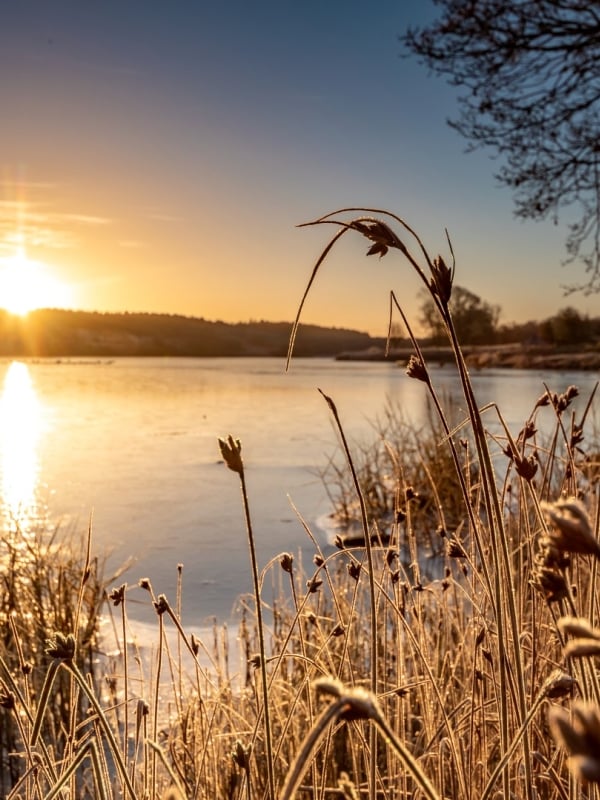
(20, 430)
(26, 285)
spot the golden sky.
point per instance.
(158, 157)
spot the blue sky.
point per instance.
(159, 156)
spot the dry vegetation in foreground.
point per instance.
(374, 676)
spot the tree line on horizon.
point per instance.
(477, 323)
(60, 333)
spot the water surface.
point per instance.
(132, 446)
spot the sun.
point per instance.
(26, 285)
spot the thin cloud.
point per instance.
(84, 219)
(35, 237)
(33, 224)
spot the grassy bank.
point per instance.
(447, 651)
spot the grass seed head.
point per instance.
(586, 641)
(61, 646)
(562, 401)
(355, 702)
(580, 737)
(570, 529)
(255, 661)
(441, 280)
(286, 560)
(559, 684)
(528, 431)
(526, 467)
(7, 700)
(241, 755)
(455, 549)
(161, 604)
(231, 450)
(378, 232)
(578, 648)
(579, 627)
(117, 596)
(416, 369)
(551, 584)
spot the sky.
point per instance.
(159, 157)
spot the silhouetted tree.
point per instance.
(566, 327)
(519, 332)
(532, 89)
(474, 319)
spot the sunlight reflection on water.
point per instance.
(131, 444)
(20, 431)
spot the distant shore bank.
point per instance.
(512, 356)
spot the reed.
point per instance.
(446, 649)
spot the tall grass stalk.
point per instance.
(509, 651)
(373, 602)
(419, 367)
(231, 451)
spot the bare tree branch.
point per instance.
(530, 75)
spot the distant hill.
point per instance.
(59, 333)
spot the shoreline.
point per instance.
(512, 356)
